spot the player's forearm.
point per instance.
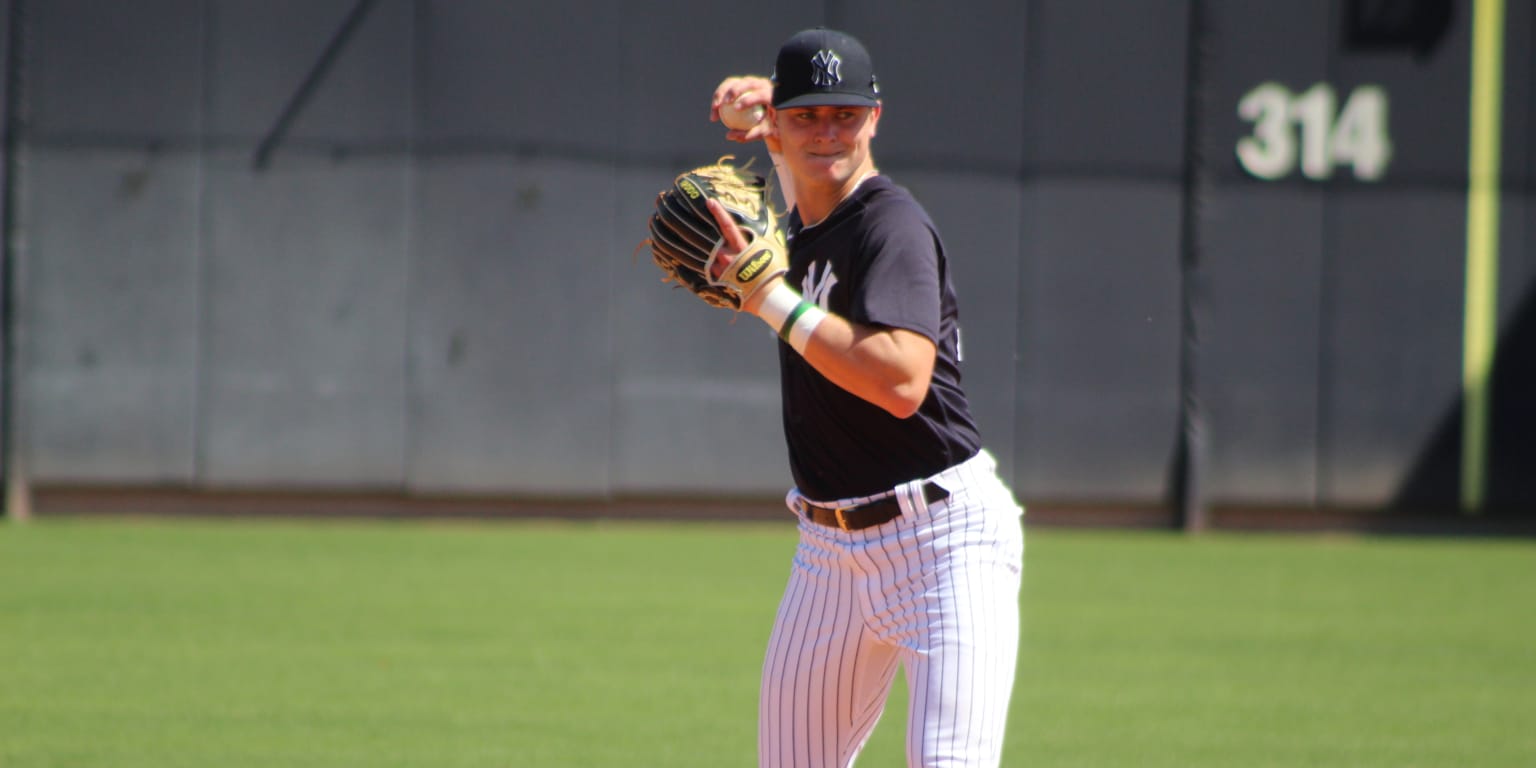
(889, 367)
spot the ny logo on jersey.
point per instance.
(824, 69)
(818, 287)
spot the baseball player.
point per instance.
(911, 547)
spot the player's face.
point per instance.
(827, 144)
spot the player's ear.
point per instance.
(874, 119)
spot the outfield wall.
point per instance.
(430, 285)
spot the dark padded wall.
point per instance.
(1099, 331)
(1512, 481)
(432, 287)
(1263, 250)
(108, 254)
(1392, 351)
(1336, 310)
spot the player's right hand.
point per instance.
(746, 91)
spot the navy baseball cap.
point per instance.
(823, 66)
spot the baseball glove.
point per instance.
(686, 240)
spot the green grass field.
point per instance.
(166, 643)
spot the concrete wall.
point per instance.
(431, 287)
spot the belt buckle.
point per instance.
(842, 521)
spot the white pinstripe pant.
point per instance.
(935, 590)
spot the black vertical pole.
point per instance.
(1194, 514)
(12, 478)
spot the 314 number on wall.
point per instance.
(1308, 131)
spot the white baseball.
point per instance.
(740, 119)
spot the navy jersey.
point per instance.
(875, 260)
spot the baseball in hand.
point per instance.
(740, 119)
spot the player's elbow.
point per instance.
(895, 369)
(906, 398)
(910, 379)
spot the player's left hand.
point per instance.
(734, 243)
(714, 233)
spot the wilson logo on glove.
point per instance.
(754, 266)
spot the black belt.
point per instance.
(866, 515)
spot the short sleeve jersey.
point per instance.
(876, 260)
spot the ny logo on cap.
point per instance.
(824, 69)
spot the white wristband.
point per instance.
(777, 306)
(794, 319)
(803, 323)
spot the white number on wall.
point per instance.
(1305, 130)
